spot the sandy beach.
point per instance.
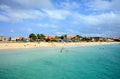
(50, 44)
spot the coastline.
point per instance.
(50, 44)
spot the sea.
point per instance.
(78, 62)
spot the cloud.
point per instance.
(104, 24)
(12, 31)
(69, 5)
(4, 18)
(99, 4)
(68, 16)
(57, 14)
(103, 5)
(46, 4)
(21, 10)
(60, 33)
(108, 19)
(18, 15)
(13, 15)
(46, 25)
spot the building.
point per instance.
(97, 39)
(70, 38)
(101, 39)
(116, 39)
(23, 39)
(13, 39)
(50, 38)
(2, 38)
(110, 40)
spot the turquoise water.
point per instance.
(90, 62)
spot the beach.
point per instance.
(49, 44)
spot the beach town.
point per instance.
(59, 39)
(41, 40)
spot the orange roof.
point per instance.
(70, 36)
(50, 37)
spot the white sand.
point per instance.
(46, 44)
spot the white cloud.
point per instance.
(46, 4)
(18, 15)
(99, 5)
(103, 5)
(5, 7)
(69, 13)
(69, 5)
(107, 19)
(12, 31)
(4, 18)
(57, 14)
(46, 25)
(59, 33)
(13, 15)
(105, 24)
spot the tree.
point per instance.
(9, 39)
(86, 39)
(38, 36)
(78, 36)
(64, 37)
(41, 36)
(47, 40)
(32, 37)
(73, 39)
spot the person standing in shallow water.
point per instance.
(61, 50)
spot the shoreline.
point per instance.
(4, 46)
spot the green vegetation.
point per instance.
(32, 37)
(38, 37)
(65, 38)
(41, 37)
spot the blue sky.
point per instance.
(58, 17)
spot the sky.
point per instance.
(58, 17)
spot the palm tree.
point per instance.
(41, 37)
(32, 37)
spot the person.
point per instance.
(61, 50)
(38, 41)
(24, 45)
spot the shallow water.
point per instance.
(89, 62)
